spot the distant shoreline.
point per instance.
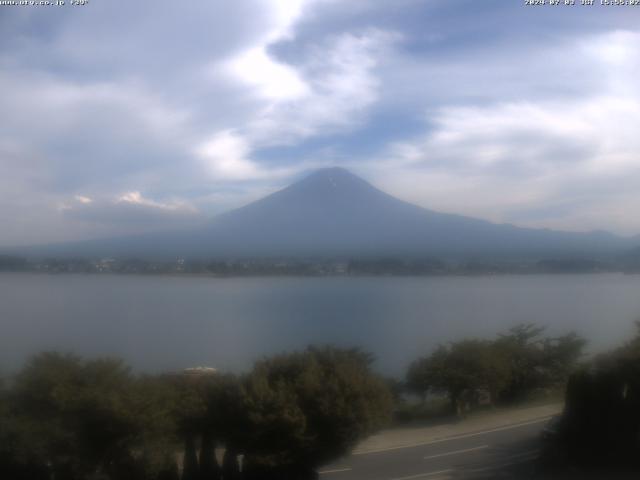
(319, 267)
(355, 276)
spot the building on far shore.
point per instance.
(200, 371)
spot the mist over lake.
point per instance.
(158, 323)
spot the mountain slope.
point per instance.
(335, 213)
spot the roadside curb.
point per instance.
(430, 435)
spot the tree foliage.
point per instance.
(461, 370)
(601, 422)
(307, 408)
(67, 418)
(504, 370)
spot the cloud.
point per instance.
(83, 199)
(225, 155)
(79, 134)
(136, 198)
(132, 212)
(342, 83)
(570, 163)
(273, 80)
(339, 84)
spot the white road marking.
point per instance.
(456, 452)
(335, 470)
(424, 475)
(456, 437)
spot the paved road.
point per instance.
(506, 452)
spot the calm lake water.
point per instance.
(164, 323)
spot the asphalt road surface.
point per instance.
(507, 452)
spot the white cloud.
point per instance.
(548, 164)
(341, 84)
(273, 80)
(83, 199)
(254, 66)
(564, 160)
(131, 212)
(618, 48)
(86, 133)
(136, 198)
(226, 156)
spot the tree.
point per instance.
(209, 468)
(418, 378)
(522, 345)
(508, 368)
(465, 368)
(307, 408)
(190, 467)
(601, 421)
(536, 361)
(223, 421)
(230, 465)
(560, 356)
(168, 469)
(190, 414)
(72, 416)
(155, 402)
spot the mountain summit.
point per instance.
(329, 185)
(334, 213)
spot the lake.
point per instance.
(161, 323)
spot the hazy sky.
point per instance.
(123, 116)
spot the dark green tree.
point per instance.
(506, 369)
(75, 414)
(156, 401)
(601, 421)
(190, 467)
(191, 417)
(209, 468)
(560, 357)
(81, 418)
(168, 469)
(461, 370)
(230, 464)
(464, 369)
(522, 345)
(224, 420)
(537, 361)
(307, 408)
